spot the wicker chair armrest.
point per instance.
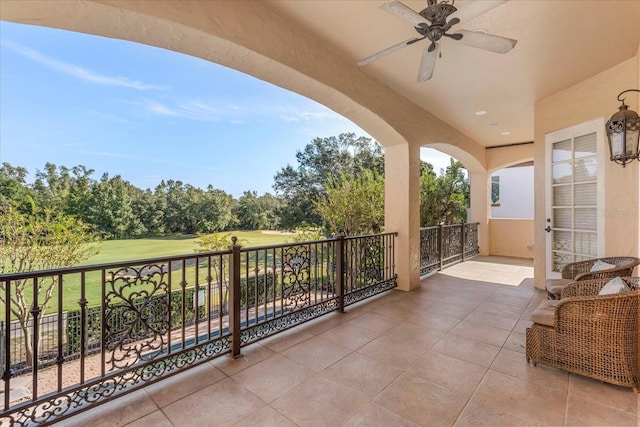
(591, 287)
(583, 288)
(603, 314)
(625, 270)
(571, 270)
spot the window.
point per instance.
(495, 190)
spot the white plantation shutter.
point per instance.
(574, 200)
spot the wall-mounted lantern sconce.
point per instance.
(623, 131)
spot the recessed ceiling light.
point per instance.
(480, 113)
(493, 124)
(505, 133)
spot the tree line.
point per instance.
(337, 185)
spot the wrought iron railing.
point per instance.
(141, 321)
(443, 245)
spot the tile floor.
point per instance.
(448, 354)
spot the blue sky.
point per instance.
(149, 114)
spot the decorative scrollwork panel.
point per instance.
(136, 314)
(296, 274)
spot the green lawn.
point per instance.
(134, 249)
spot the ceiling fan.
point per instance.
(431, 23)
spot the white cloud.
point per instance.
(77, 71)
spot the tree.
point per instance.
(444, 199)
(353, 205)
(217, 242)
(109, 207)
(13, 188)
(321, 160)
(257, 212)
(32, 242)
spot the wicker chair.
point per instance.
(581, 270)
(590, 334)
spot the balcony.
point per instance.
(450, 353)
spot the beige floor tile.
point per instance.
(508, 401)
(500, 309)
(376, 415)
(155, 419)
(620, 398)
(450, 310)
(118, 412)
(272, 377)
(323, 324)
(317, 353)
(362, 373)
(251, 355)
(374, 322)
(435, 321)
(447, 371)
(394, 310)
(480, 332)
(514, 363)
(173, 388)
(517, 342)
(422, 401)
(515, 301)
(590, 413)
(286, 339)
(467, 349)
(522, 325)
(320, 402)
(468, 301)
(266, 417)
(493, 319)
(409, 341)
(350, 336)
(515, 291)
(221, 404)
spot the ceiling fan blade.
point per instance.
(486, 41)
(404, 12)
(477, 8)
(428, 63)
(388, 50)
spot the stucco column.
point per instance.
(402, 210)
(480, 207)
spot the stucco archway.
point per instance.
(249, 37)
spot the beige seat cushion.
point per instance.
(545, 313)
(555, 286)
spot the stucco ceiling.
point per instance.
(560, 43)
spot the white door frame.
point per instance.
(597, 126)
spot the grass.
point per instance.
(134, 249)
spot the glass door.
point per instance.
(573, 222)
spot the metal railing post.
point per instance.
(440, 248)
(462, 238)
(340, 271)
(234, 297)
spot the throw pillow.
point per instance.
(600, 265)
(614, 286)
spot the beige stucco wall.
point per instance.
(511, 237)
(587, 100)
(503, 157)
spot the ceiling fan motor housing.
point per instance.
(437, 14)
